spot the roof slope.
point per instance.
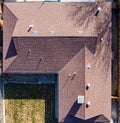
(99, 94)
(49, 48)
(71, 86)
(46, 55)
(50, 16)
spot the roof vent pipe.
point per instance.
(101, 39)
(74, 74)
(30, 27)
(87, 86)
(88, 66)
(88, 104)
(99, 9)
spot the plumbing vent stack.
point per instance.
(30, 27)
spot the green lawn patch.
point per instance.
(29, 103)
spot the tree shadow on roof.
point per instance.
(11, 50)
(84, 14)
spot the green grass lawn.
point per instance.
(29, 103)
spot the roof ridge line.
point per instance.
(84, 80)
(85, 48)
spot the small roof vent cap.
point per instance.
(88, 104)
(80, 99)
(101, 39)
(89, 66)
(88, 85)
(99, 9)
(34, 32)
(31, 25)
(79, 32)
(52, 32)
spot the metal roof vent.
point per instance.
(34, 32)
(29, 51)
(79, 32)
(30, 27)
(87, 86)
(51, 32)
(80, 99)
(88, 104)
(101, 39)
(88, 66)
(74, 74)
(99, 9)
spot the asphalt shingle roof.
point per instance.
(58, 44)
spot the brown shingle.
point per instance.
(50, 16)
(97, 94)
(47, 54)
(70, 88)
(63, 52)
(8, 29)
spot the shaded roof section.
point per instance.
(47, 54)
(71, 86)
(8, 45)
(62, 21)
(51, 19)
